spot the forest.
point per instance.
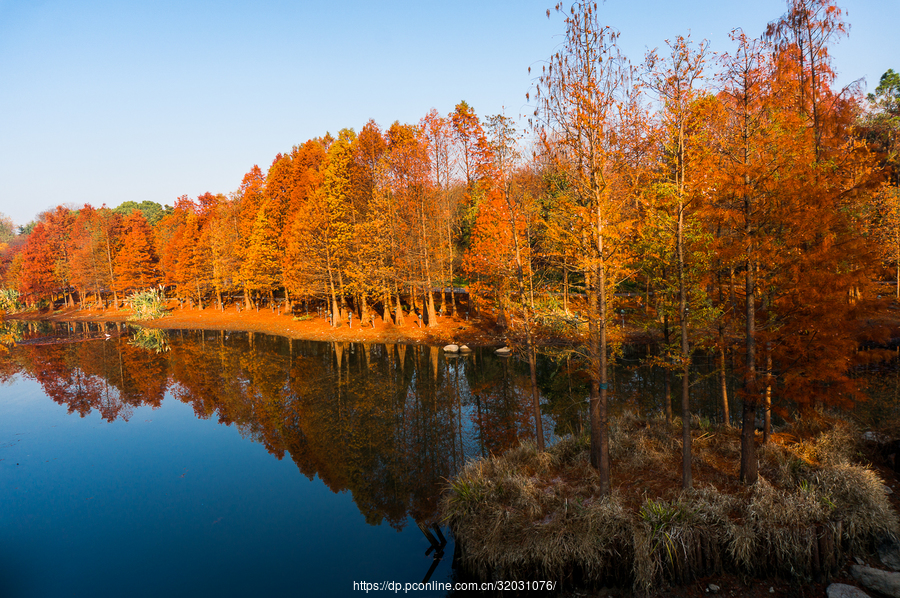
(739, 199)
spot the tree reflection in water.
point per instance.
(389, 423)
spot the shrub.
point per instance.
(147, 305)
(9, 300)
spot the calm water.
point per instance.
(195, 463)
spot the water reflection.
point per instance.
(389, 423)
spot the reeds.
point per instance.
(146, 305)
(528, 514)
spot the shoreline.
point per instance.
(449, 329)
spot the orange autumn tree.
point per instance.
(107, 236)
(579, 94)
(250, 197)
(365, 270)
(306, 165)
(45, 269)
(87, 255)
(496, 244)
(439, 136)
(320, 233)
(36, 279)
(191, 246)
(278, 191)
(408, 180)
(790, 176)
(745, 199)
(220, 235)
(59, 228)
(685, 158)
(261, 265)
(168, 238)
(136, 264)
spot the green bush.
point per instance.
(9, 300)
(147, 305)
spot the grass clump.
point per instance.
(147, 305)
(9, 301)
(517, 513)
(537, 514)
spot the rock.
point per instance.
(859, 561)
(713, 588)
(871, 436)
(889, 553)
(464, 349)
(886, 582)
(842, 590)
(503, 351)
(451, 349)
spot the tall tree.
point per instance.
(803, 37)
(676, 79)
(250, 196)
(408, 168)
(439, 136)
(751, 159)
(136, 264)
(261, 267)
(579, 93)
(322, 230)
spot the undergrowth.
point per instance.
(528, 513)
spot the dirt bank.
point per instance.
(449, 329)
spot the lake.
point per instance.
(189, 463)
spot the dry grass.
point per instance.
(532, 514)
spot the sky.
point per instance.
(106, 102)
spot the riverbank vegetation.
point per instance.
(532, 514)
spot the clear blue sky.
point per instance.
(105, 102)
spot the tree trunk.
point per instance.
(363, 308)
(398, 311)
(595, 279)
(749, 471)
(668, 371)
(386, 307)
(342, 315)
(686, 477)
(429, 308)
(726, 413)
(767, 425)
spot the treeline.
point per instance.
(375, 216)
(752, 204)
